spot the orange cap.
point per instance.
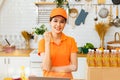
(58, 11)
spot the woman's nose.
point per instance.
(58, 23)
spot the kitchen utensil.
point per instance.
(110, 16)
(116, 2)
(115, 43)
(116, 21)
(7, 42)
(73, 12)
(103, 12)
(8, 48)
(81, 17)
(96, 18)
(101, 1)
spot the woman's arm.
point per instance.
(46, 64)
(72, 67)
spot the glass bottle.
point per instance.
(113, 58)
(90, 58)
(106, 58)
(118, 58)
(98, 58)
(22, 74)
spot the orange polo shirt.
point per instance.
(60, 54)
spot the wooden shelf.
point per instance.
(52, 3)
(46, 3)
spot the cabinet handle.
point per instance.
(4, 61)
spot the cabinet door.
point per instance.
(35, 69)
(3, 68)
(80, 73)
(15, 63)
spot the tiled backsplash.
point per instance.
(16, 40)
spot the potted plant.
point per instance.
(27, 36)
(39, 31)
(84, 49)
(102, 28)
(60, 3)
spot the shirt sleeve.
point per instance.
(41, 46)
(74, 48)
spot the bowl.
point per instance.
(9, 49)
(1, 48)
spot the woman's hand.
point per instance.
(47, 36)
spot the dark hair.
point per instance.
(57, 15)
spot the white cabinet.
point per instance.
(11, 65)
(81, 72)
(35, 68)
(35, 62)
(3, 67)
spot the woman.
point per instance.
(59, 51)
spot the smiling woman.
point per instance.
(56, 45)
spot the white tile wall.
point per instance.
(14, 40)
(18, 15)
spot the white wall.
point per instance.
(18, 15)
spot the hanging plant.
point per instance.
(60, 3)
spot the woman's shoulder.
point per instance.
(70, 38)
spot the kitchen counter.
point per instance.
(81, 55)
(17, 53)
(25, 53)
(8, 78)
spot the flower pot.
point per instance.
(38, 38)
(27, 43)
(101, 43)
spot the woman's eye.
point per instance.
(62, 21)
(55, 21)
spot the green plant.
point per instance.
(60, 3)
(89, 45)
(84, 49)
(40, 30)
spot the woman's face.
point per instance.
(57, 24)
